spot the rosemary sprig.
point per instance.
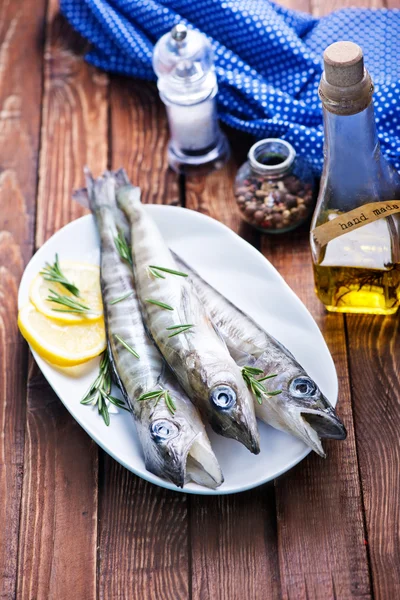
(99, 392)
(124, 297)
(122, 247)
(154, 271)
(127, 346)
(72, 305)
(53, 273)
(157, 395)
(177, 329)
(255, 385)
(158, 303)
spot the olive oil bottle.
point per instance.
(355, 231)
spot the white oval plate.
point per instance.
(244, 276)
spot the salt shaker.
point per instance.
(183, 62)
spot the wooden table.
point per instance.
(74, 523)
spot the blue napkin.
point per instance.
(268, 58)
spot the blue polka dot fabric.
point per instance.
(268, 59)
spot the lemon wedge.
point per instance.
(61, 344)
(86, 277)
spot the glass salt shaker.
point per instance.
(183, 62)
(274, 188)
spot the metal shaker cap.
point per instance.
(343, 64)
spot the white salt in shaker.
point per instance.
(183, 62)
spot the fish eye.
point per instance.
(302, 386)
(223, 397)
(163, 430)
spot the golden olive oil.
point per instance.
(358, 290)
(355, 231)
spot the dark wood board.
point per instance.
(58, 537)
(20, 77)
(319, 505)
(233, 538)
(74, 522)
(374, 351)
(143, 529)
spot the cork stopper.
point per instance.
(343, 64)
(345, 87)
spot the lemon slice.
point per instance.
(64, 345)
(86, 277)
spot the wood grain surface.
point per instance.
(20, 78)
(374, 351)
(75, 523)
(58, 537)
(143, 530)
(233, 538)
(322, 523)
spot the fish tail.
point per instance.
(128, 199)
(101, 191)
(121, 178)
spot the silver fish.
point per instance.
(184, 333)
(301, 408)
(175, 446)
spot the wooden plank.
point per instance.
(143, 529)
(139, 140)
(233, 538)
(234, 546)
(320, 527)
(373, 347)
(59, 505)
(320, 515)
(374, 351)
(20, 78)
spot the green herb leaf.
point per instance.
(179, 329)
(257, 388)
(122, 247)
(157, 395)
(149, 395)
(124, 297)
(267, 377)
(73, 305)
(99, 392)
(253, 371)
(127, 346)
(53, 273)
(158, 303)
(165, 270)
(155, 273)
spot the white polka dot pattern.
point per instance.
(268, 59)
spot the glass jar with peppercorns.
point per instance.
(274, 188)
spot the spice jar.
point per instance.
(274, 188)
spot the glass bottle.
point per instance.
(183, 62)
(274, 188)
(357, 260)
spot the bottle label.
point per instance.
(349, 221)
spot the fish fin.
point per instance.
(81, 197)
(116, 378)
(219, 334)
(121, 178)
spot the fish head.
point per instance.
(304, 409)
(230, 408)
(176, 447)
